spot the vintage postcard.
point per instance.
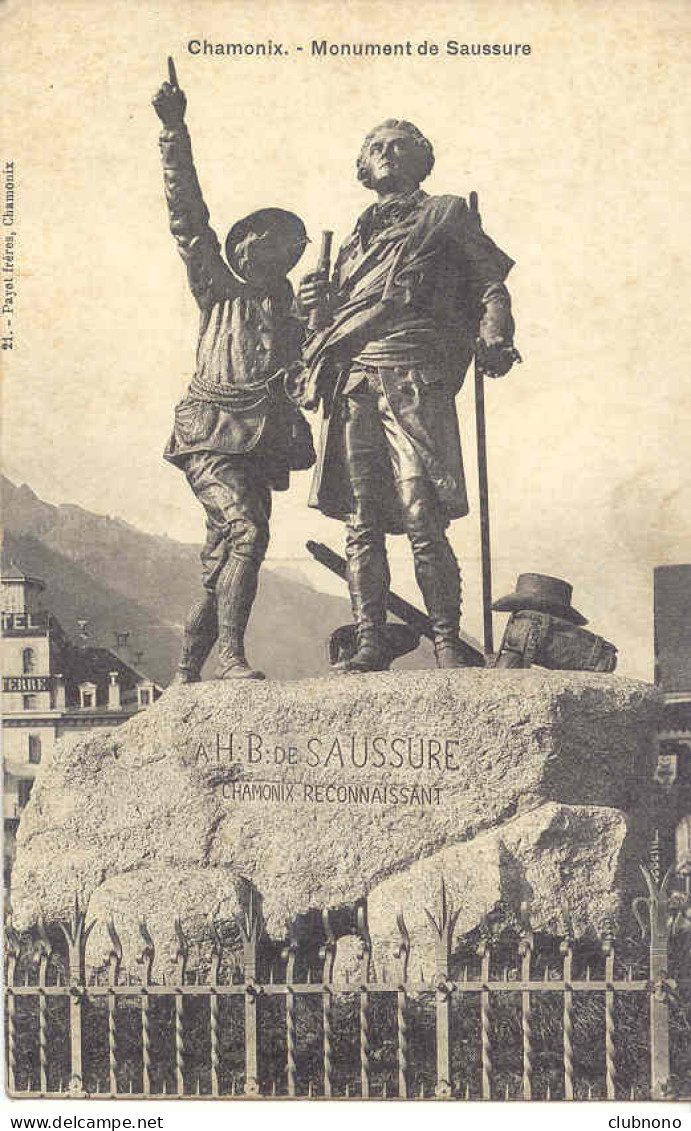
(346, 580)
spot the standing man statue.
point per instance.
(417, 289)
(236, 435)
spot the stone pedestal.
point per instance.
(511, 785)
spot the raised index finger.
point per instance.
(172, 76)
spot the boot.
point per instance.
(235, 590)
(368, 584)
(232, 662)
(201, 630)
(439, 578)
(371, 654)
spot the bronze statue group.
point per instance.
(416, 291)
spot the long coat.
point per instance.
(441, 264)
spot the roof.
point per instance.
(11, 571)
(94, 665)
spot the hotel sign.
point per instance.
(26, 683)
(18, 624)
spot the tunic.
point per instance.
(247, 335)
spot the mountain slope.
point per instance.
(122, 579)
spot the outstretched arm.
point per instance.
(189, 217)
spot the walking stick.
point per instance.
(485, 546)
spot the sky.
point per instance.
(579, 153)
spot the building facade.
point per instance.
(51, 687)
(673, 677)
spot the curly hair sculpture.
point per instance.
(423, 148)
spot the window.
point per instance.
(34, 748)
(24, 791)
(87, 695)
(29, 702)
(144, 698)
(28, 660)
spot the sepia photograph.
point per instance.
(346, 567)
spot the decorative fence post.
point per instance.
(251, 925)
(12, 950)
(525, 950)
(610, 1064)
(114, 963)
(485, 1046)
(290, 954)
(656, 924)
(566, 950)
(76, 934)
(403, 954)
(214, 1006)
(443, 928)
(328, 954)
(366, 958)
(146, 961)
(43, 955)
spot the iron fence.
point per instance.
(419, 1012)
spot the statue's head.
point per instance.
(395, 157)
(266, 244)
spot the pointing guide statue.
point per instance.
(417, 289)
(236, 434)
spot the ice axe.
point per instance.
(481, 434)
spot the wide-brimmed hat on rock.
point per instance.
(285, 227)
(542, 594)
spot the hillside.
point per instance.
(121, 579)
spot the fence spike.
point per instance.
(422, 1091)
(347, 1090)
(545, 976)
(383, 1091)
(507, 1094)
(548, 1093)
(309, 1089)
(632, 1094)
(365, 950)
(131, 1088)
(467, 1091)
(289, 954)
(165, 1086)
(148, 951)
(182, 952)
(587, 973)
(114, 956)
(273, 1088)
(327, 952)
(403, 951)
(590, 1092)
